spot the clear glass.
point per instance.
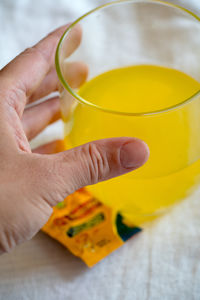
(164, 35)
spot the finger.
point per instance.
(50, 148)
(48, 85)
(75, 74)
(65, 172)
(25, 73)
(37, 117)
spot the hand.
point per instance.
(32, 183)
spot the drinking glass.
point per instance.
(127, 33)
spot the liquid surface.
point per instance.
(173, 168)
(139, 89)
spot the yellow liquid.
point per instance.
(173, 137)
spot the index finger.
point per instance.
(27, 70)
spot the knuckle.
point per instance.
(7, 242)
(14, 96)
(97, 162)
(29, 50)
(33, 51)
(10, 98)
(37, 56)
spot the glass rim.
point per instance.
(98, 107)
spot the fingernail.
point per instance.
(134, 154)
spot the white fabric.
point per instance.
(163, 262)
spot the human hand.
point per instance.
(32, 183)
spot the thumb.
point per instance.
(91, 163)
